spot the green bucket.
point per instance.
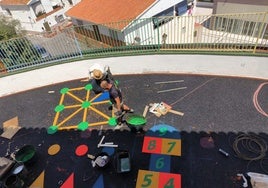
(135, 122)
(26, 154)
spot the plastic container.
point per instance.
(13, 181)
(104, 162)
(20, 171)
(123, 163)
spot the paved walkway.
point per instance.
(237, 66)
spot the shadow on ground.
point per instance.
(200, 163)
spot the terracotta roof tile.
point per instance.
(108, 11)
(14, 2)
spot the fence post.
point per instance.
(158, 35)
(260, 32)
(76, 42)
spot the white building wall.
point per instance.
(145, 30)
(141, 31)
(47, 5)
(225, 8)
(177, 30)
(27, 17)
(20, 13)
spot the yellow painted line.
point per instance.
(75, 97)
(85, 114)
(72, 106)
(88, 94)
(62, 98)
(99, 112)
(101, 102)
(70, 116)
(95, 97)
(56, 118)
(98, 123)
(76, 89)
(67, 127)
(113, 112)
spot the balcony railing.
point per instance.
(47, 14)
(237, 34)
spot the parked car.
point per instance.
(42, 51)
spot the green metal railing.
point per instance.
(238, 34)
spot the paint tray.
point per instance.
(123, 164)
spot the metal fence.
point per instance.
(241, 34)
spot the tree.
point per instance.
(9, 28)
(16, 51)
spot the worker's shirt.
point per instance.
(114, 93)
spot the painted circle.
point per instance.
(64, 90)
(82, 126)
(53, 149)
(81, 150)
(59, 108)
(88, 87)
(52, 129)
(112, 122)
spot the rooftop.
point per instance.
(14, 2)
(102, 11)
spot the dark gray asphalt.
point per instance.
(220, 107)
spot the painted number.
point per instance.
(152, 145)
(170, 183)
(147, 180)
(163, 131)
(160, 163)
(172, 144)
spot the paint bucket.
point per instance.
(123, 164)
(20, 171)
(26, 155)
(136, 122)
(13, 181)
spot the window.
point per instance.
(113, 34)
(181, 8)
(9, 12)
(79, 22)
(210, 1)
(236, 26)
(167, 15)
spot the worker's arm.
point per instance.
(118, 104)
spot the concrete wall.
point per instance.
(238, 6)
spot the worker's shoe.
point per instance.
(119, 125)
(130, 111)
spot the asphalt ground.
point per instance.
(217, 111)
